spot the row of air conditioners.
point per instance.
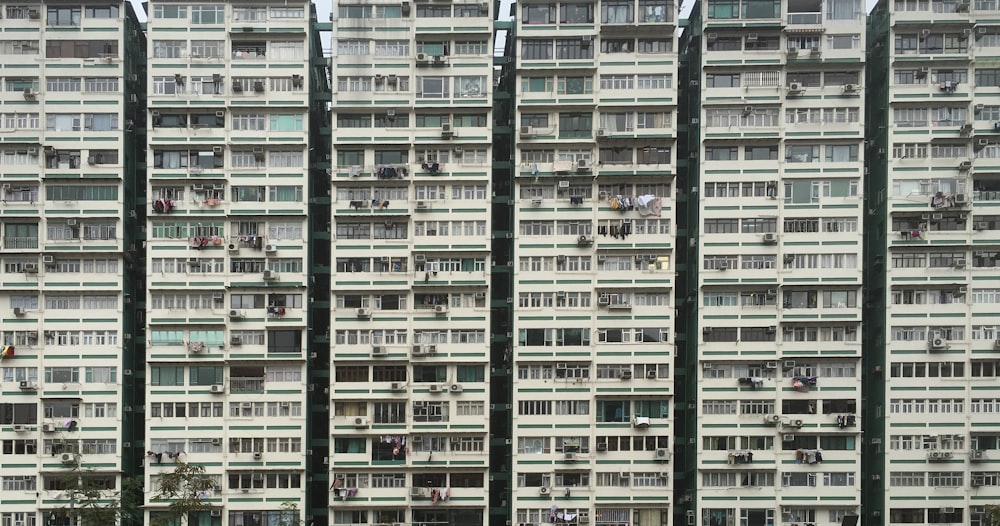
(426, 58)
(787, 364)
(627, 375)
(366, 312)
(420, 349)
(446, 388)
(774, 420)
(234, 248)
(46, 428)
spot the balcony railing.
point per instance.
(246, 385)
(805, 18)
(20, 242)
(986, 195)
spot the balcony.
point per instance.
(20, 243)
(246, 385)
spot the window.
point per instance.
(205, 375)
(575, 125)
(81, 48)
(532, 49)
(284, 341)
(208, 14)
(63, 16)
(617, 12)
(538, 14)
(433, 87)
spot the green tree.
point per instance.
(993, 514)
(91, 503)
(182, 489)
(290, 515)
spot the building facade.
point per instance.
(410, 263)
(593, 295)
(227, 240)
(931, 344)
(574, 267)
(775, 212)
(71, 261)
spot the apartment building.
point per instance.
(931, 350)
(410, 263)
(227, 149)
(593, 277)
(68, 175)
(776, 138)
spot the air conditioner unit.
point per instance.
(752, 37)
(422, 57)
(601, 132)
(360, 421)
(71, 222)
(257, 455)
(604, 300)
(569, 456)
(536, 201)
(379, 350)
(419, 258)
(796, 423)
(527, 130)
(218, 389)
(67, 458)
(925, 70)
(788, 438)
(585, 241)
(48, 428)
(771, 365)
(436, 388)
(961, 199)
(48, 259)
(216, 512)
(965, 166)
(661, 453)
(20, 429)
(564, 184)
(446, 130)
(397, 386)
(937, 343)
(25, 385)
(625, 375)
(795, 87)
(772, 419)
(363, 312)
(959, 263)
(18, 311)
(651, 374)
(440, 309)
(852, 88)
(270, 275)
(544, 490)
(235, 314)
(582, 165)
(946, 509)
(977, 455)
(770, 238)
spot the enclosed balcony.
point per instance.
(805, 12)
